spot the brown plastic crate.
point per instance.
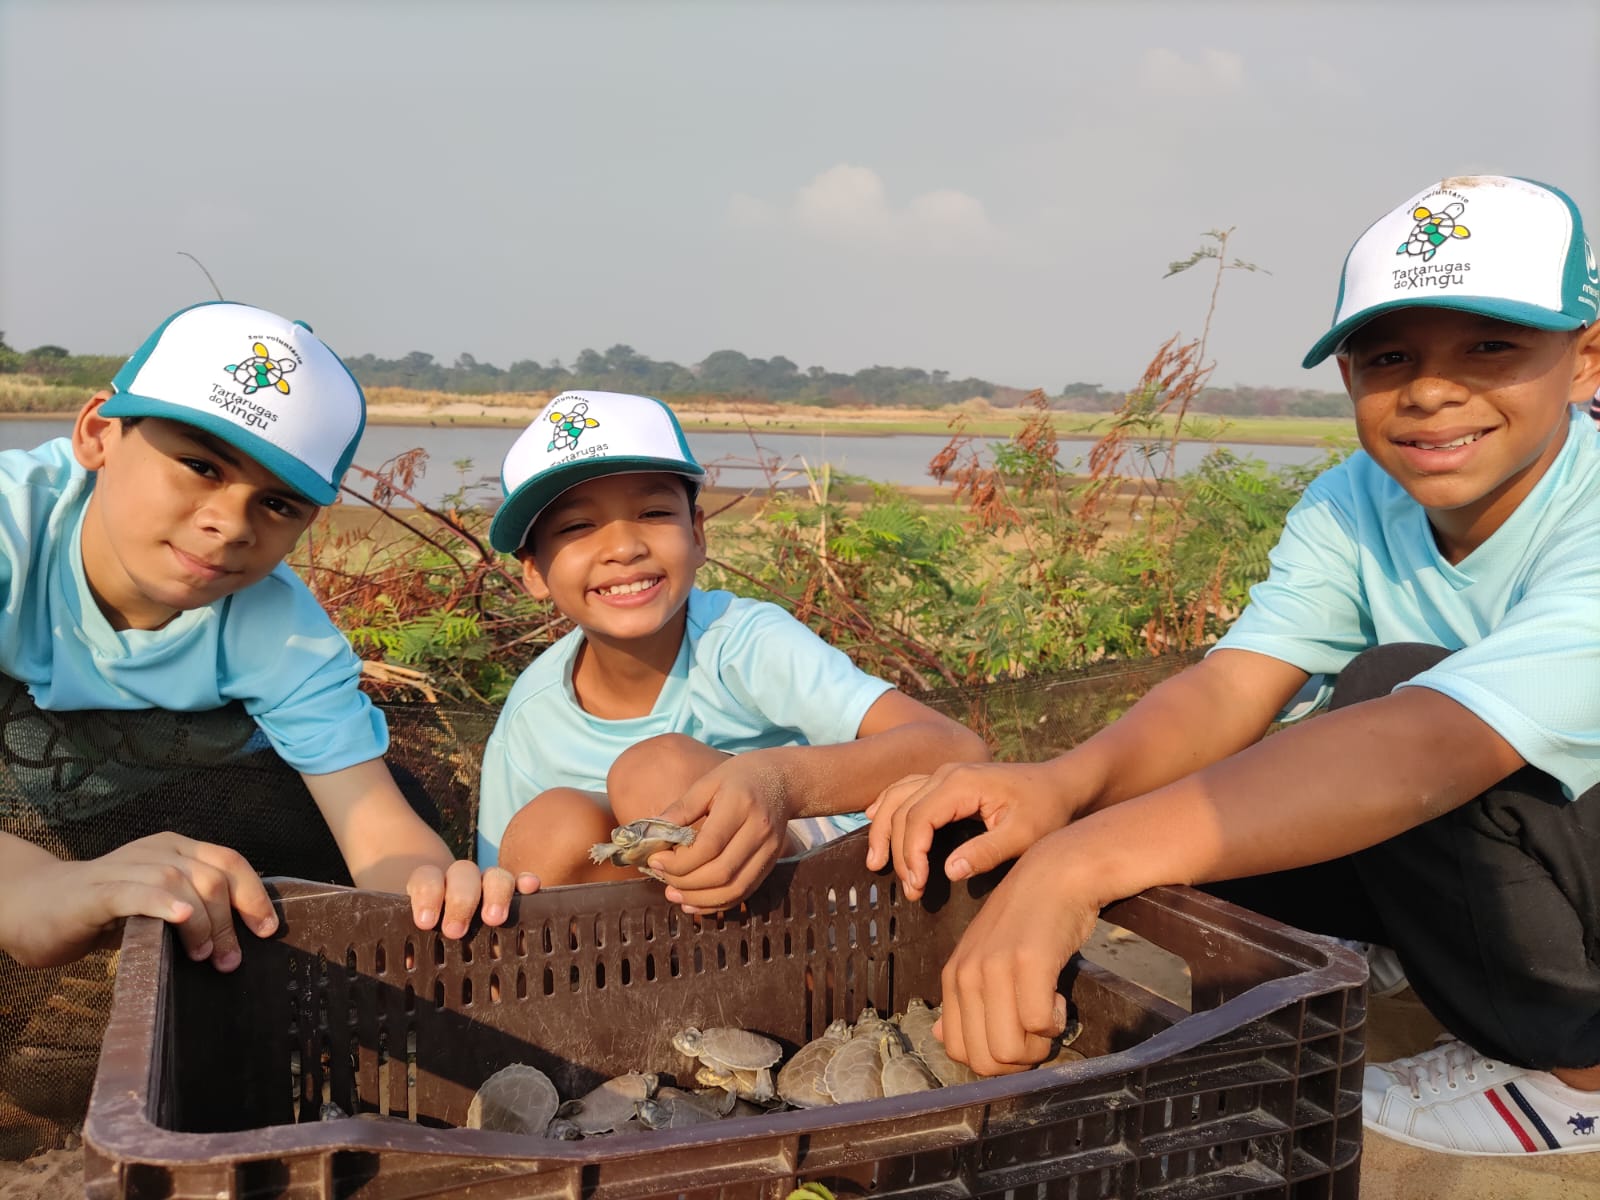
(211, 1085)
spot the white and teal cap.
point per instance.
(264, 384)
(1489, 244)
(581, 436)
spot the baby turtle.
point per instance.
(631, 845)
(870, 1025)
(1061, 1050)
(515, 1099)
(736, 1059)
(800, 1080)
(674, 1108)
(563, 1130)
(611, 1105)
(855, 1072)
(903, 1071)
(917, 1024)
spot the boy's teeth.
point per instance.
(1460, 441)
(625, 589)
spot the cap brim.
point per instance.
(1516, 312)
(294, 473)
(522, 507)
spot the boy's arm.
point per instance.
(1340, 783)
(388, 848)
(1213, 709)
(749, 800)
(52, 912)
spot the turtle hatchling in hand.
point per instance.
(631, 845)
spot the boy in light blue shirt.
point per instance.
(667, 700)
(141, 566)
(1449, 806)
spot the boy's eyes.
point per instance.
(278, 505)
(1386, 358)
(200, 467)
(579, 525)
(284, 508)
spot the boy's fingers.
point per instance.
(111, 902)
(463, 884)
(690, 807)
(881, 813)
(527, 883)
(209, 931)
(982, 853)
(246, 893)
(426, 889)
(733, 874)
(917, 821)
(498, 887)
(724, 821)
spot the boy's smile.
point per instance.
(617, 555)
(177, 518)
(1464, 411)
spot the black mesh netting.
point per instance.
(81, 784)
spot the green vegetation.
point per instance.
(55, 380)
(1031, 571)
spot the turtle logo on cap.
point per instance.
(261, 371)
(1433, 229)
(570, 425)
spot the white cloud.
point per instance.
(850, 205)
(1320, 75)
(1213, 73)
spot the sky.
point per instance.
(991, 189)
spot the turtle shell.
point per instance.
(611, 1105)
(631, 845)
(917, 1024)
(515, 1099)
(723, 1046)
(903, 1071)
(855, 1072)
(674, 1108)
(800, 1080)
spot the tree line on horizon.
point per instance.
(721, 373)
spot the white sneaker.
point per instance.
(1385, 975)
(1453, 1100)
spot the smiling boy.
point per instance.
(668, 700)
(1449, 576)
(141, 563)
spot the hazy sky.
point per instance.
(991, 189)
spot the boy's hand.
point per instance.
(745, 804)
(456, 890)
(59, 911)
(1018, 802)
(1001, 1007)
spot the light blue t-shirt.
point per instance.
(1357, 566)
(270, 646)
(748, 676)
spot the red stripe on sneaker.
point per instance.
(1505, 1115)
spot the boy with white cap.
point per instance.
(1449, 576)
(667, 700)
(141, 563)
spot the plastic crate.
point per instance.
(211, 1085)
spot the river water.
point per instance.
(467, 458)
